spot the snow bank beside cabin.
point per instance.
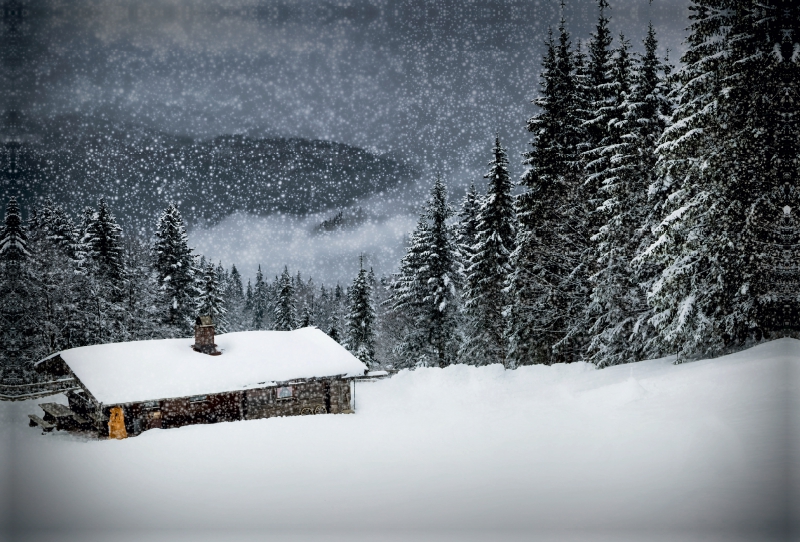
(118, 373)
(648, 451)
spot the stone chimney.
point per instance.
(204, 336)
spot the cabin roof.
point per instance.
(159, 369)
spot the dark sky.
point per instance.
(430, 82)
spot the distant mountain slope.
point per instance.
(76, 160)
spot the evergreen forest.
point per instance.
(657, 215)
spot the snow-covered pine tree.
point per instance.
(545, 285)
(334, 329)
(174, 265)
(335, 318)
(598, 102)
(142, 315)
(605, 132)
(599, 74)
(426, 288)
(235, 301)
(222, 277)
(235, 289)
(103, 242)
(103, 290)
(485, 298)
(258, 301)
(52, 265)
(13, 238)
(719, 162)
(209, 299)
(306, 318)
(361, 319)
(50, 225)
(619, 312)
(467, 227)
(323, 309)
(20, 306)
(285, 319)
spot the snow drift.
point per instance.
(648, 451)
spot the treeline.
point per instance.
(657, 214)
(67, 285)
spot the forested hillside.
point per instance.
(75, 160)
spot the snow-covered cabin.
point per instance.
(167, 383)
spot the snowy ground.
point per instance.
(649, 451)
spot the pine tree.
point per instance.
(235, 301)
(307, 318)
(248, 296)
(285, 319)
(258, 301)
(174, 265)
(485, 299)
(210, 301)
(726, 190)
(20, 307)
(50, 225)
(334, 329)
(720, 168)
(142, 316)
(235, 284)
(13, 239)
(323, 308)
(103, 243)
(547, 282)
(361, 319)
(467, 227)
(619, 313)
(600, 86)
(426, 288)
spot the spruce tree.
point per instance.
(426, 288)
(235, 301)
(285, 319)
(20, 307)
(547, 282)
(13, 238)
(209, 300)
(361, 319)
(467, 227)
(334, 328)
(720, 165)
(235, 284)
(103, 243)
(485, 299)
(174, 265)
(258, 301)
(619, 314)
(307, 318)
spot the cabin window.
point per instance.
(152, 405)
(198, 399)
(285, 392)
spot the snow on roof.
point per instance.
(159, 369)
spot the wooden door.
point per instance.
(327, 392)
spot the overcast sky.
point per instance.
(428, 81)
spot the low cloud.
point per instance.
(247, 241)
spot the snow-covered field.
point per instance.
(649, 451)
